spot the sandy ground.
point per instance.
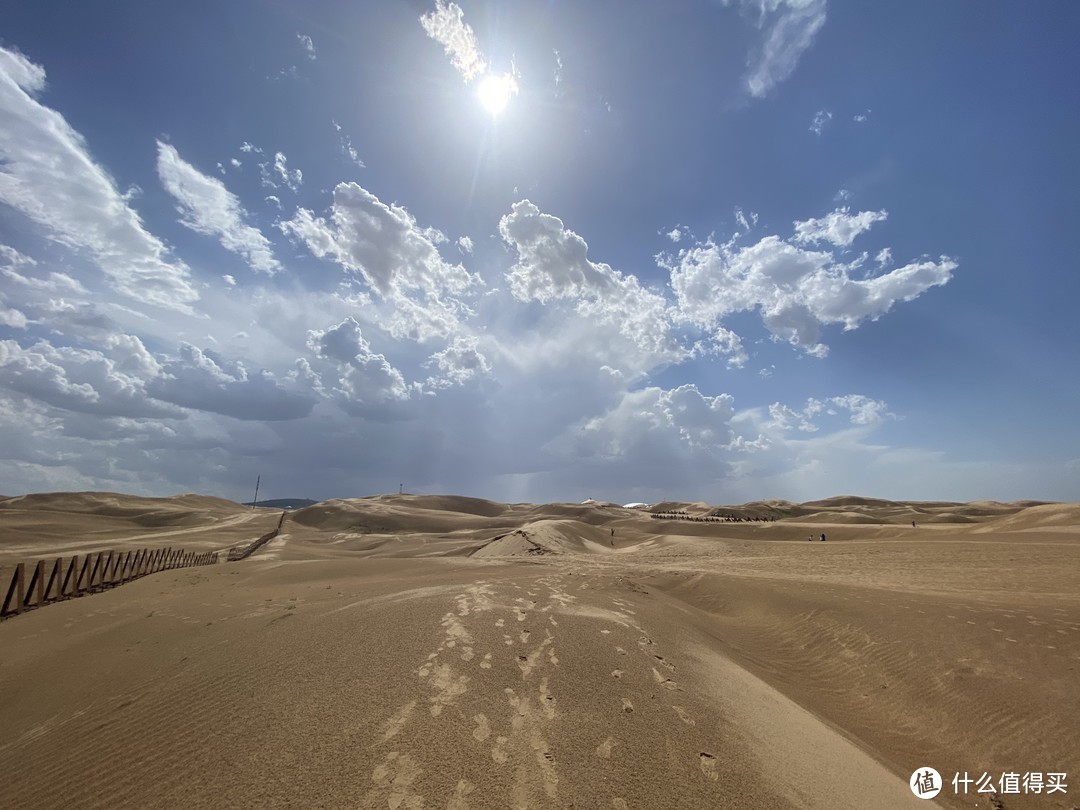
(407, 652)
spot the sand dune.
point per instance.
(431, 651)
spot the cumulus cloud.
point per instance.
(466, 244)
(821, 118)
(207, 207)
(51, 178)
(839, 227)
(367, 378)
(458, 363)
(83, 380)
(745, 222)
(788, 29)
(307, 45)
(12, 318)
(293, 178)
(553, 265)
(205, 381)
(395, 256)
(446, 25)
(795, 289)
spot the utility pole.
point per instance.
(256, 499)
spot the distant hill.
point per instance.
(285, 503)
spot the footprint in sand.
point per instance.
(524, 636)
(457, 801)
(486, 663)
(684, 715)
(547, 700)
(603, 750)
(500, 622)
(619, 804)
(392, 727)
(664, 663)
(620, 651)
(393, 781)
(708, 765)
(617, 673)
(667, 683)
(483, 728)
(627, 706)
(467, 654)
(498, 753)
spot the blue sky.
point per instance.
(707, 250)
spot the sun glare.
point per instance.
(495, 92)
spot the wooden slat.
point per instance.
(72, 571)
(36, 584)
(54, 579)
(16, 589)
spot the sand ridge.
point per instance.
(423, 651)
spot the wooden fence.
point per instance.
(243, 552)
(709, 518)
(100, 571)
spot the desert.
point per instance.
(435, 651)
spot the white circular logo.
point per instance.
(925, 783)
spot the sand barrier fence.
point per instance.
(51, 581)
(56, 582)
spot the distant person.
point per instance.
(913, 524)
(823, 537)
(810, 538)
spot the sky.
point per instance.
(717, 250)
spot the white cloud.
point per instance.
(796, 290)
(272, 200)
(249, 148)
(674, 234)
(821, 118)
(78, 379)
(839, 227)
(553, 265)
(50, 177)
(207, 207)
(307, 45)
(367, 378)
(446, 25)
(746, 223)
(861, 118)
(466, 244)
(396, 257)
(293, 179)
(12, 318)
(458, 363)
(884, 257)
(789, 28)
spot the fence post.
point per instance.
(37, 583)
(16, 589)
(54, 577)
(72, 569)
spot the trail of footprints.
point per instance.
(518, 740)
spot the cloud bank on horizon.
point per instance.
(181, 308)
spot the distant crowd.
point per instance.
(709, 518)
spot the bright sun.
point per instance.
(496, 91)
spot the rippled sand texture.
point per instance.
(442, 652)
